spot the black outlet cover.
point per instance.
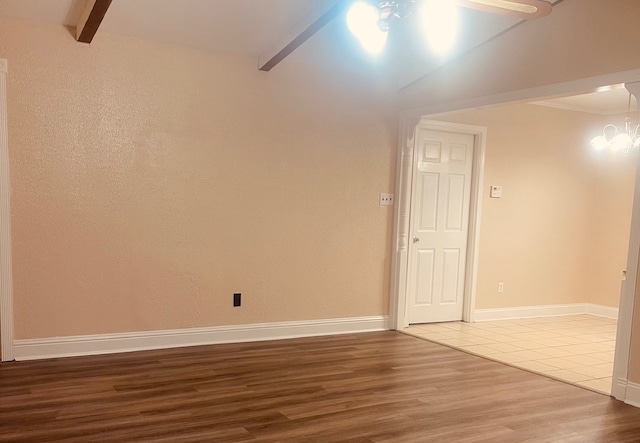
(237, 299)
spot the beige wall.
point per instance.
(560, 233)
(151, 182)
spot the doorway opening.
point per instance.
(491, 287)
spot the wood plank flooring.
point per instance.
(375, 387)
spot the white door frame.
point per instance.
(402, 225)
(6, 278)
(627, 300)
(628, 289)
(410, 119)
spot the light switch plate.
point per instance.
(496, 192)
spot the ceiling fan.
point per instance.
(390, 10)
(524, 9)
(371, 20)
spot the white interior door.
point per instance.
(441, 192)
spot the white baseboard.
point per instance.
(626, 391)
(544, 311)
(619, 389)
(601, 310)
(33, 349)
(633, 394)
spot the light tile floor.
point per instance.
(577, 349)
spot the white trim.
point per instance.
(400, 257)
(545, 311)
(6, 277)
(475, 217)
(138, 341)
(576, 108)
(601, 310)
(528, 312)
(629, 285)
(538, 93)
(619, 387)
(399, 253)
(633, 394)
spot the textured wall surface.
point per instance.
(151, 182)
(560, 233)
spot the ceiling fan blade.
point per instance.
(523, 9)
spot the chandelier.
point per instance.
(617, 140)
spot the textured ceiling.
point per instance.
(251, 27)
(244, 27)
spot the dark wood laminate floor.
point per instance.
(376, 387)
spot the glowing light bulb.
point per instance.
(440, 22)
(621, 142)
(599, 143)
(362, 20)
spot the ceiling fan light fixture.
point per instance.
(440, 23)
(522, 9)
(509, 5)
(362, 21)
(370, 21)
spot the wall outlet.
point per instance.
(386, 199)
(237, 299)
(501, 287)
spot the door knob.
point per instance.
(416, 239)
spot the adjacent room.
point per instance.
(555, 242)
(205, 225)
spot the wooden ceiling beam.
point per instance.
(91, 19)
(300, 34)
